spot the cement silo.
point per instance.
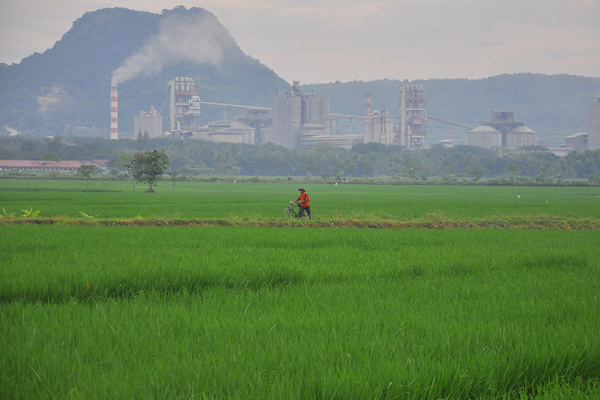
(379, 128)
(287, 119)
(315, 110)
(298, 118)
(520, 136)
(502, 131)
(484, 136)
(594, 124)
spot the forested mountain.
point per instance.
(65, 91)
(68, 86)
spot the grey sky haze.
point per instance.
(322, 41)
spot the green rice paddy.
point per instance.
(265, 201)
(297, 311)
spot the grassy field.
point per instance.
(261, 201)
(289, 312)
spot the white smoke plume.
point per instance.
(181, 37)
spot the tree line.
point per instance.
(201, 158)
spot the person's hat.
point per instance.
(302, 189)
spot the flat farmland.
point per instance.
(264, 201)
(296, 310)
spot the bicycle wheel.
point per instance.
(288, 214)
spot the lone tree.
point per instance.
(173, 173)
(149, 166)
(86, 171)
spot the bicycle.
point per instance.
(289, 213)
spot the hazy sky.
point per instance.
(322, 41)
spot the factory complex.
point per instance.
(298, 119)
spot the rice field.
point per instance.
(297, 312)
(265, 201)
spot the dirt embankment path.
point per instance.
(520, 222)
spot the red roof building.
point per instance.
(60, 166)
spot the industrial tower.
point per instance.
(114, 113)
(413, 116)
(185, 106)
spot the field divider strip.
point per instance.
(520, 222)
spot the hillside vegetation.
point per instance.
(67, 88)
(529, 165)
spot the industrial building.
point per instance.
(299, 119)
(149, 122)
(297, 115)
(303, 119)
(48, 166)
(413, 116)
(594, 124)
(184, 110)
(501, 131)
(227, 132)
(577, 142)
(379, 128)
(589, 140)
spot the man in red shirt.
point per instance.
(304, 203)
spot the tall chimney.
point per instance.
(114, 113)
(368, 104)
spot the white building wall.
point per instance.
(287, 119)
(379, 128)
(151, 124)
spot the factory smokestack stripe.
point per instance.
(114, 113)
